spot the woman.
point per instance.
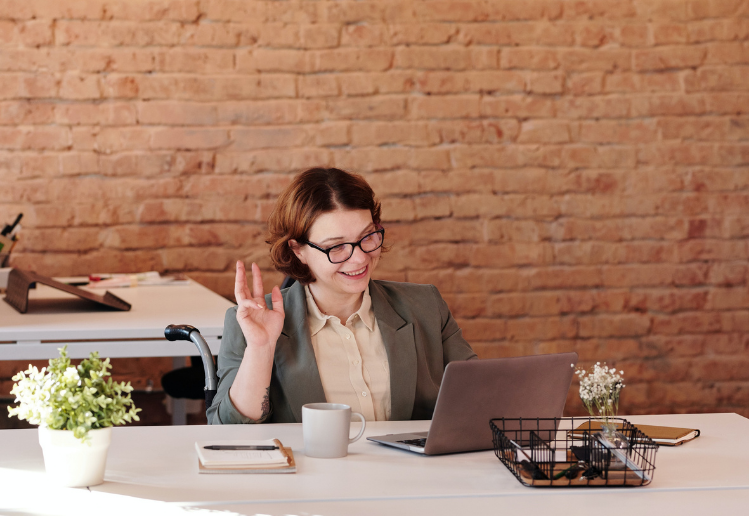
(335, 335)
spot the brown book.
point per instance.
(661, 435)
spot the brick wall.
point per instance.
(571, 174)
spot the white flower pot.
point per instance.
(71, 463)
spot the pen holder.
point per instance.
(569, 452)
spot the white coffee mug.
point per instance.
(326, 428)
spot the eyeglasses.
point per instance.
(342, 252)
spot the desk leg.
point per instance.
(179, 405)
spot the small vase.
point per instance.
(72, 463)
(614, 439)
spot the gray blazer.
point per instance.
(420, 337)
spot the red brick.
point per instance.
(618, 132)
(728, 273)
(332, 134)
(456, 181)
(482, 329)
(727, 53)
(455, 106)
(718, 30)
(77, 86)
(271, 137)
(517, 106)
(273, 60)
(36, 33)
(320, 35)
(530, 58)
(717, 78)
(420, 33)
(190, 138)
(713, 9)
(46, 138)
(544, 131)
(587, 83)
(514, 11)
(459, 131)
(176, 113)
(588, 60)
(361, 35)
(318, 85)
(352, 59)
(668, 58)
(259, 112)
(387, 108)
(642, 83)
(234, 10)
(220, 34)
(195, 61)
(26, 113)
(114, 140)
(593, 9)
(593, 107)
(634, 35)
(669, 33)
(432, 58)
(614, 325)
(352, 12)
(546, 83)
(542, 328)
(156, 10)
(381, 133)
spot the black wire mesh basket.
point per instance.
(573, 452)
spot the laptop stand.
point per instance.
(19, 283)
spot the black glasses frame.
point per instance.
(353, 245)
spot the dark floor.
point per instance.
(153, 412)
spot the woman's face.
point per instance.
(330, 229)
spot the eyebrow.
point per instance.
(363, 232)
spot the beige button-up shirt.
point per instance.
(351, 359)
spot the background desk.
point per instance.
(56, 318)
(156, 467)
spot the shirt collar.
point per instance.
(317, 319)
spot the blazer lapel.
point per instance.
(398, 338)
(295, 363)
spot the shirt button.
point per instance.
(348, 336)
(364, 394)
(356, 362)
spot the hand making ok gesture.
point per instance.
(260, 326)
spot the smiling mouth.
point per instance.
(356, 273)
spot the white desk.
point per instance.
(153, 469)
(56, 318)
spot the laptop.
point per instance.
(475, 391)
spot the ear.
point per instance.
(294, 245)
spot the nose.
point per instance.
(359, 256)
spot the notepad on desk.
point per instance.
(230, 460)
(662, 435)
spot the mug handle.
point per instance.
(363, 426)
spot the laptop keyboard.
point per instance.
(415, 442)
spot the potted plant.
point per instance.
(75, 408)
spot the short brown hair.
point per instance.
(312, 193)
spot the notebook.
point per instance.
(662, 435)
(475, 391)
(280, 460)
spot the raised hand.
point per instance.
(261, 327)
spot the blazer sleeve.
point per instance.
(233, 344)
(454, 346)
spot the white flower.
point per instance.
(600, 390)
(65, 397)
